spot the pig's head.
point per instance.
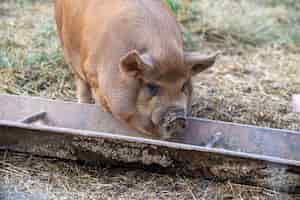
(164, 88)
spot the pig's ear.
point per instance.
(199, 62)
(135, 65)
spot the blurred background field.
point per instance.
(252, 82)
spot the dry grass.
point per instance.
(251, 83)
(252, 87)
(241, 22)
(31, 60)
(36, 178)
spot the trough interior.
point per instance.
(241, 138)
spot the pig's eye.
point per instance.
(185, 87)
(152, 89)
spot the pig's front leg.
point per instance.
(83, 91)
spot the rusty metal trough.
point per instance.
(218, 150)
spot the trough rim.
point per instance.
(148, 141)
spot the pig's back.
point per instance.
(122, 25)
(102, 31)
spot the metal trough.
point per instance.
(222, 151)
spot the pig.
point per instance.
(128, 57)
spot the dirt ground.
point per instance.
(252, 82)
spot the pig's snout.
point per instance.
(176, 126)
(173, 122)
